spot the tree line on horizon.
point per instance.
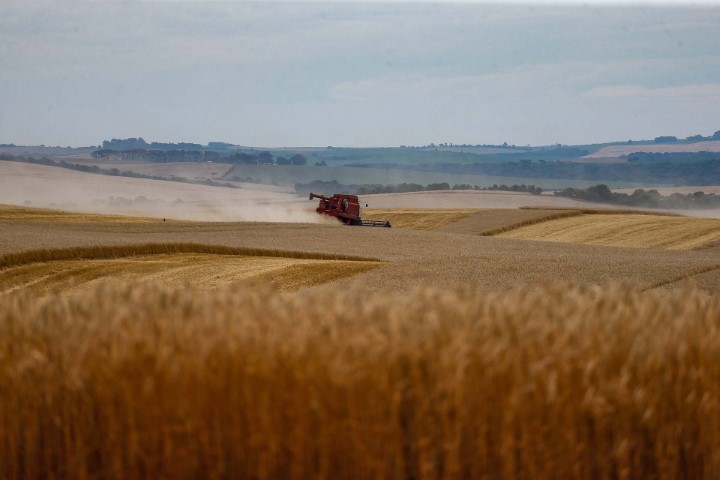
(176, 156)
(643, 198)
(701, 168)
(333, 186)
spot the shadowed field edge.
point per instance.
(119, 251)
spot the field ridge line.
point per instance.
(685, 276)
(570, 212)
(118, 251)
(534, 221)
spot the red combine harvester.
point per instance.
(346, 209)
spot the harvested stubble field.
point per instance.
(471, 221)
(540, 383)
(626, 229)
(425, 354)
(419, 218)
(491, 221)
(412, 258)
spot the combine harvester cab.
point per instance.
(346, 208)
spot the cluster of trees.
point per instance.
(159, 156)
(700, 138)
(643, 198)
(670, 156)
(173, 156)
(402, 188)
(336, 187)
(692, 138)
(516, 188)
(666, 139)
(139, 143)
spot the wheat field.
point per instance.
(437, 258)
(183, 350)
(624, 230)
(172, 265)
(544, 382)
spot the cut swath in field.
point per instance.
(419, 218)
(473, 221)
(484, 221)
(493, 221)
(623, 230)
(172, 265)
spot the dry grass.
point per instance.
(540, 383)
(624, 230)
(418, 218)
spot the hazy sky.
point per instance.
(355, 74)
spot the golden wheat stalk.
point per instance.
(540, 382)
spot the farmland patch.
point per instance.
(624, 230)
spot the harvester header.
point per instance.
(346, 208)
